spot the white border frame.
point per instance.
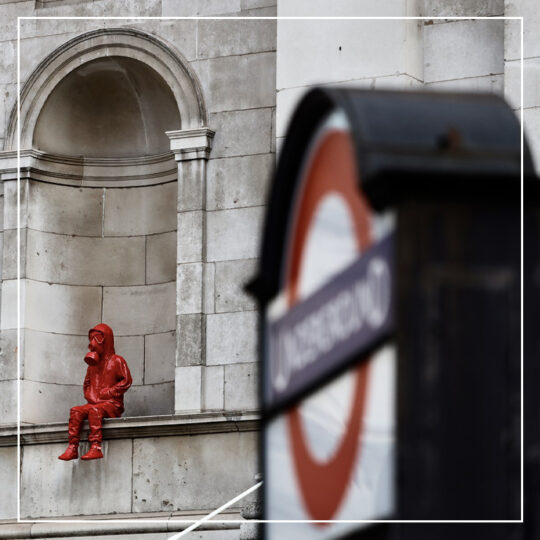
(232, 501)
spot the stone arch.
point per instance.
(120, 42)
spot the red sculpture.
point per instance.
(107, 379)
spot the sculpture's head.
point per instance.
(101, 344)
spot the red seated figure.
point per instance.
(107, 379)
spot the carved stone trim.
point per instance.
(139, 426)
(191, 143)
(89, 172)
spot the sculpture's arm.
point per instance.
(86, 388)
(123, 383)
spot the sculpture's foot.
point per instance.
(72, 452)
(94, 452)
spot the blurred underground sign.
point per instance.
(332, 309)
(347, 315)
(330, 317)
(448, 167)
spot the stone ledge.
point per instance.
(108, 525)
(138, 427)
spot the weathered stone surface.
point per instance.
(161, 258)
(189, 282)
(189, 332)
(182, 34)
(462, 8)
(187, 388)
(531, 88)
(213, 387)
(8, 354)
(209, 302)
(255, 4)
(238, 82)
(202, 471)
(44, 402)
(70, 309)
(142, 210)
(224, 38)
(132, 350)
(9, 99)
(34, 50)
(191, 182)
(173, 8)
(234, 234)
(231, 279)
(8, 59)
(9, 253)
(4, 110)
(8, 479)
(238, 181)
(231, 338)
(241, 133)
(345, 8)
(512, 33)
(159, 357)
(73, 260)
(10, 204)
(490, 83)
(241, 385)
(65, 209)
(50, 487)
(149, 399)
(9, 300)
(287, 100)
(8, 402)
(190, 236)
(463, 49)
(111, 8)
(151, 309)
(335, 58)
(55, 358)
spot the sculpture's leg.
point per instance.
(96, 413)
(76, 418)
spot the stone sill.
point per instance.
(138, 427)
(111, 525)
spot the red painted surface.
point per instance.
(332, 170)
(107, 379)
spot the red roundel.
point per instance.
(332, 169)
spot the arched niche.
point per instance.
(99, 179)
(153, 53)
(108, 108)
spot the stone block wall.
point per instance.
(464, 55)
(219, 222)
(371, 54)
(149, 474)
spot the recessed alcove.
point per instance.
(101, 236)
(109, 107)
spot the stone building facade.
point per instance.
(147, 147)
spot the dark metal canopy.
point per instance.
(418, 144)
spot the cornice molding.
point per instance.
(89, 172)
(188, 144)
(138, 427)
